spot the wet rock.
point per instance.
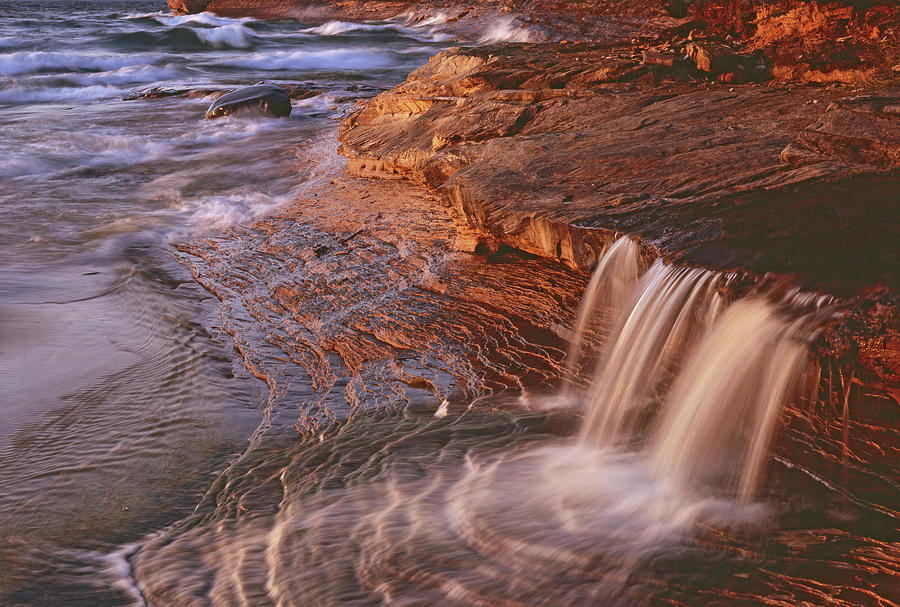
(158, 92)
(267, 99)
(862, 130)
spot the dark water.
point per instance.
(406, 445)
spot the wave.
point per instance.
(20, 166)
(337, 59)
(424, 30)
(28, 62)
(90, 86)
(180, 38)
(134, 16)
(76, 152)
(70, 153)
(335, 28)
(438, 18)
(235, 35)
(132, 74)
(216, 212)
(506, 29)
(208, 19)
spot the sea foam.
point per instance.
(506, 29)
(337, 59)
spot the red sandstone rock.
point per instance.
(712, 57)
(862, 130)
(188, 6)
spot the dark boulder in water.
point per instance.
(266, 99)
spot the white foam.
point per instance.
(132, 74)
(201, 18)
(425, 30)
(219, 211)
(438, 19)
(114, 570)
(146, 15)
(335, 28)
(337, 59)
(18, 166)
(319, 103)
(506, 29)
(564, 506)
(61, 154)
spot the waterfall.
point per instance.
(722, 410)
(611, 283)
(690, 380)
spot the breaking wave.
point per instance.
(234, 35)
(334, 59)
(208, 19)
(506, 29)
(334, 28)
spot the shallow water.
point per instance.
(358, 417)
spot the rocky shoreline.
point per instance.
(702, 135)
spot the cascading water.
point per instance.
(667, 308)
(693, 382)
(612, 282)
(721, 412)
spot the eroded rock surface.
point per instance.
(534, 147)
(862, 130)
(356, 287)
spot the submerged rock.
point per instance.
(266, 99)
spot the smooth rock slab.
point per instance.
(267, 99)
